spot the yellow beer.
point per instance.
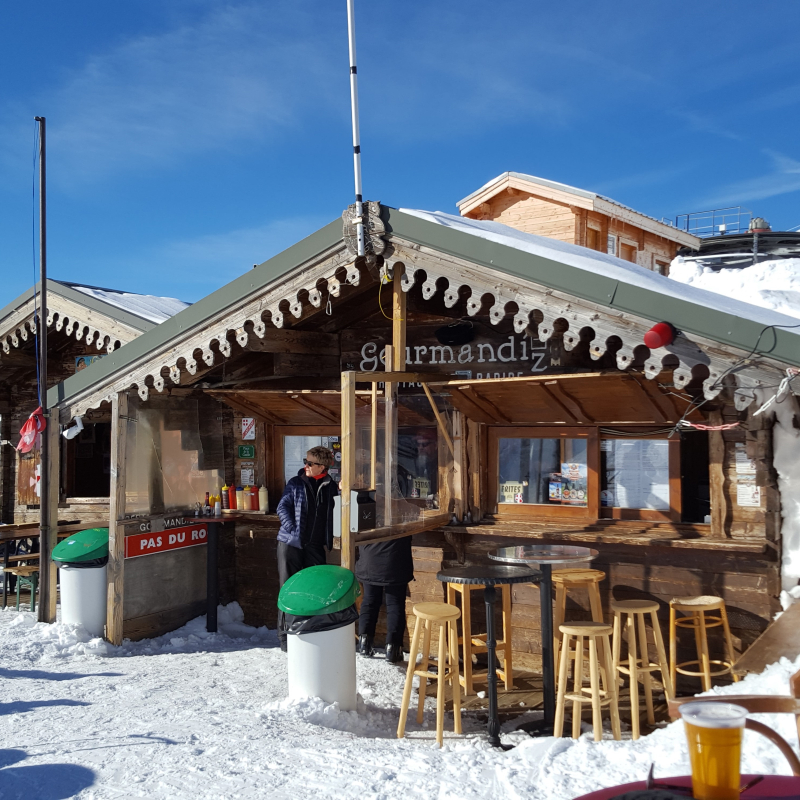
(714, 735)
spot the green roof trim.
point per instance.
(709, 323)
(197, 314)
(719, 326)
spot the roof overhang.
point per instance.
(87, 319)
(716, 347)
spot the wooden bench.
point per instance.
(781, 638)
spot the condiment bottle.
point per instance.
(263, 499)
(240, 498)
(254, 497)
(226, 498)
(232, 497)
(248, 498)
(217, 507)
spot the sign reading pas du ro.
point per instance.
(144, 544)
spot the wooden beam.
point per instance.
(325, 413)
(439, 420)
(373, 439)
(666, 406)
(401, 377)
(245, 407)
(48, 571)
(556, 390)
(348, 465)
(389, 439)
(429, 521)
(116, 512)
(486, 405)
(658, 414)
(398, 320)
(554, 404)
(283, 340)
(716, 476)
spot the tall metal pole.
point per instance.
(44, 493)
(351, 35)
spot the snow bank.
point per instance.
(771, 284)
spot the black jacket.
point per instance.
(386, 563)
(293, 510)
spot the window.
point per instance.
(662, 267)
(418, 462)
(627, 252)
(295, 449)
(573, 472)
(592, 238)
(544, 471)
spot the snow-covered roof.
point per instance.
(598, 263)
(147, 306)
(582, 197)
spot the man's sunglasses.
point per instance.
(312, 463)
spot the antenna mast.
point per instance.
(351, 35)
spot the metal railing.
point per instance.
(717, 222)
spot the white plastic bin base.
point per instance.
(324, 665)
(83, 597)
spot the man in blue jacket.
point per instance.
(306, 514)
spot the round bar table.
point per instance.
(545, 556)
(489, 576)
(767, 786)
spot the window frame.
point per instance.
(593, 511)
(588, 512)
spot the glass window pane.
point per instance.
(296, 447)
(543, 471)
(418, 462)
(635, 473)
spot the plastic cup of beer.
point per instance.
(714, 734)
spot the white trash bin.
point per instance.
(83, 596)
(319, 616)
(82, 560)
(323, 665)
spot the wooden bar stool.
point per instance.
(27, 576)
(477, 643)
(639, 667)
(591, 632)
(570, 579)
(695, 608)
(445, 616)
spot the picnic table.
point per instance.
(28, 530)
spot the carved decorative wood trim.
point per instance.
(301, 294)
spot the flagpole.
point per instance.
(351, 36)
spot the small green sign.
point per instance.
(247, 451)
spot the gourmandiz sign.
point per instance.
(514, 353)
(144, 544)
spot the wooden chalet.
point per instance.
(85, 323)
(491, 386)
(547, 208)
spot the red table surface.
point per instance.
(771, 786)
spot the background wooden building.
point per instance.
(546, 208)
(85, 323)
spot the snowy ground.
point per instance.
(192, 715)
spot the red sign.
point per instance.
(143, 544)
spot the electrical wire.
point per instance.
(383, 280)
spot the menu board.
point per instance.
(636, 473)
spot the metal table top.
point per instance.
(543, 554)
(489, 574)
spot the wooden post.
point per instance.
(398, 362)
(348, 465)
(390, 438)
(116, 512)
(459, 466)
(373, 438)
(48, 571)
(716, 475)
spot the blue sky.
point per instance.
(190, 139)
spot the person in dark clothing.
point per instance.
(385, 569)
(306, 514)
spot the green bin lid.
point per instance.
(319, 590)
(82, 546)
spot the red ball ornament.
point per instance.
(660, 335)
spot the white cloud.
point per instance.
(240, 73)
(784, 178)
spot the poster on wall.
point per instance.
(511, 492)
(574, 483)
(744, 465)
(248, 428)
(247, 473)
(748, 494)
